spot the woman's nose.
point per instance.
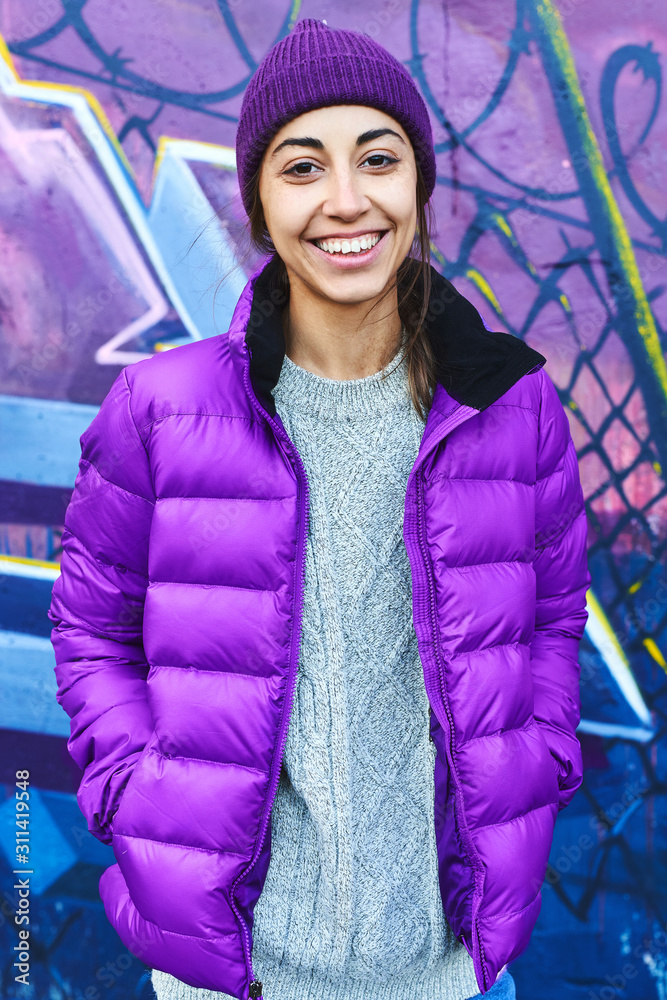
(345, 195)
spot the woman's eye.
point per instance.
(294, 169)
(382, 156)
(305, 163)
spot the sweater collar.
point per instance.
(475, 366)
(369, 398)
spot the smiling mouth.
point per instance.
(356, 246)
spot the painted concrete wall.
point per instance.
(117, 125)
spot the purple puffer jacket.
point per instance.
(177, 625)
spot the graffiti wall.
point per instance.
(117, 126)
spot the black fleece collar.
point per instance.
(475, 366)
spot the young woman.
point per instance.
(323, 584)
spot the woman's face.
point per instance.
(334, 173)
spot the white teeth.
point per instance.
(355, 245)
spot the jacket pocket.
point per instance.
(560, 771)
(557, 767)
(113, 824)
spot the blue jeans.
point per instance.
(503, 988)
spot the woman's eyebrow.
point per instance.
(312, 143)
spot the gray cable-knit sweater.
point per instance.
(351, 907)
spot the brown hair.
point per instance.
(412, 305)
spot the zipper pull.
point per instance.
(255, 989)
(430, 713)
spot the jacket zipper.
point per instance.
(450, 423)
(255, 986)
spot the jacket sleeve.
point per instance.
(562, 579)
(97, 608)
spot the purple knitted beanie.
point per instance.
(315, 66)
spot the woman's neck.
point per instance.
(340, 344)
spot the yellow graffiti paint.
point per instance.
(506, 229)
(485, 288)
(25, 561)
(606, 641)
(655, 653)
(503, 224)
(293, 14)
(439, 256)
(208, 152)
(549, 19)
